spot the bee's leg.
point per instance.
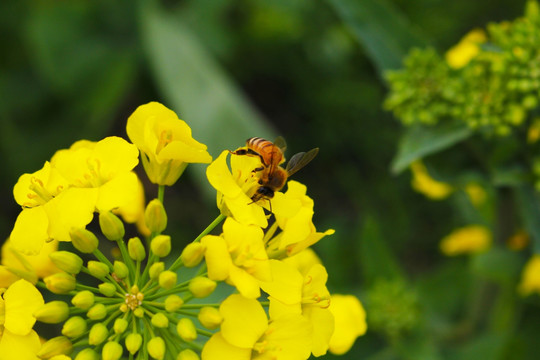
(260, 168)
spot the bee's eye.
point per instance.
(260, 182)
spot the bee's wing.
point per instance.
(280, 143)
(300, 160)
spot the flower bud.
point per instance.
(155, 216)
(156, 269)
(188, 354)
(192, 254)
(98, 334)
(201, 286)
(85, 241)
(53, 312)
(83, 299)
(97, 312)
(167, 279)
(67, 261)
(111, 226)
(120, 325)
(161, 245)
(87, 354)
(133, 342)
(107, 289)
(74, 326)
(120, 269)
(186, 329)
(56, 346)
(60, 283)
(173, 303)
(136, 249)
(138, 312)
(159, 320)
(156, 348)
(112, 351)
(98, 269)
(210, 317)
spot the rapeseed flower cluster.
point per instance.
(142, 303)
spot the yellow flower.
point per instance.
(235, 187)
(466, 50)
(518, 241)
(38, 266)
(304, 260)
(246, 333)
(530, 278)
(350, 322)
(476, 193)
(17, 304)
(293, 293)
(165, 143)
(238, 257)
(425, 184)
(533, 134)
(294, 212)
(465, 240)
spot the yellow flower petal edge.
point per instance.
(21, 300)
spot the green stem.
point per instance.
(127, 259)
(99, 255)
(161, 193)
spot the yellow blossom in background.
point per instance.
(350, 322)
(533, 134)
(247, 333)
(235, 186)
(466, 240)
(476, 193)
(36, 266)
(425, 184)
(518, 241)
(165, 143)
(466, 50)
(530, 277)
(17, 304)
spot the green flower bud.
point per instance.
(210, 317)
(173, 303)
(167, 279)
(159, 320)
(74, 326)
(98, 269)
(133, 342)
(84, 241)
(97, 312)
(120, 325)
(188, 354)
(53, 312)
(156, 269)
(120, 269)
(59, 345)
(201, 286)
(60, 283)
(98, 334)
(192, 254)
(112, 351)
(111, 226)
(155, 216)
(186, 329)
(136, 249)
(156, 348)
(83, 299)
(161, 245)
(107, 289)
(87, 354)
(67, 261)
(138, 312)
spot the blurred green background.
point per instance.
(310, 71)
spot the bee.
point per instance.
(272, 176)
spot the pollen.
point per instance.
(133, 301)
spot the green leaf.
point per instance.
(420, 141)
(195, 85)
(385, 33)
(530, 211)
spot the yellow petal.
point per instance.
(181, 151)
(217, 257)
(244, 321)
(19, 347)
(30, 231)
(21, 300)
(286, 285)
(350, 322)
(115, 156)
(246, 284)
(220, 177)
(119, 192)
(322, 322)
(289, 338)
(217, 348)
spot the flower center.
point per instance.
(40, 194)
(165, 138)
